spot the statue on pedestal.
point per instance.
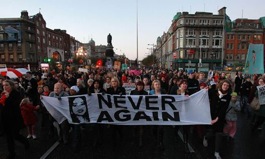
(109, 49)
(109, 53)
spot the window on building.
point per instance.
(204, 32)
(1, 36)
(10, 46)
(247, 37)
(243, 57)
(43, 40)
(30, 45)
(37, 23)
(217, 33)
(228, 46)
(190, 42)
(192, 21)
(181, 21)
(204, 55)
(238, 57)
(2, 57)
(19, 45)
(203, 42)
(38, 39)
(181, 42)
(227, 56)
(239, 37)
(231, 57)
(239, 46)
(181, 32)
(217, 42)
(1, 46)
(49, 43)
(244, 46)
(11, 58)
(30, 36)
(181, 54)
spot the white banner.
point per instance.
(261, 94)
(131, 110)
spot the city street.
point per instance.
(246, 145)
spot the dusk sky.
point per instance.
(86, 19)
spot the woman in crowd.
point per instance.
(107, 83)
(259, 114)
(96, 87)
(12, 120)
(115, 88)
(219, 102)
(158, 130)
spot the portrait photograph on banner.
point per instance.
(255, 59)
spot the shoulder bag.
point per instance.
(255, 104)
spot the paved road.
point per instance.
(246, 145)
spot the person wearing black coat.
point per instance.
(219, 102)
(115, 88)
(12, 120)
(139, 90)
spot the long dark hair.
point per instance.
(219, 87)
(11, 83)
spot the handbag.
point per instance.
(255, 104)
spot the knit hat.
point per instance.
(234, 94)
(75, 88)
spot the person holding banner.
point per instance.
(139, 91)
(115, 88)
(62, 128)
(96, 87)
(158, 130)
(219, 102)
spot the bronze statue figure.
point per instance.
(109, 39)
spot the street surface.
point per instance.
(246, 145)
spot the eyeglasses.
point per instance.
(113, 81)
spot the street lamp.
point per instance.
(212, 57)
(152, 52)
(81, 53)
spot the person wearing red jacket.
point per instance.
(29, 116)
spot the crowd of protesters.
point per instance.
(227, 97)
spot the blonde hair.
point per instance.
(155, 81)
(116, 79)
(24, 101)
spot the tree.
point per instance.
(150, 60)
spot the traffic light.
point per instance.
(47, 59)
(99, 62)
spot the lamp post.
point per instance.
(212, 57)
(152, 52)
